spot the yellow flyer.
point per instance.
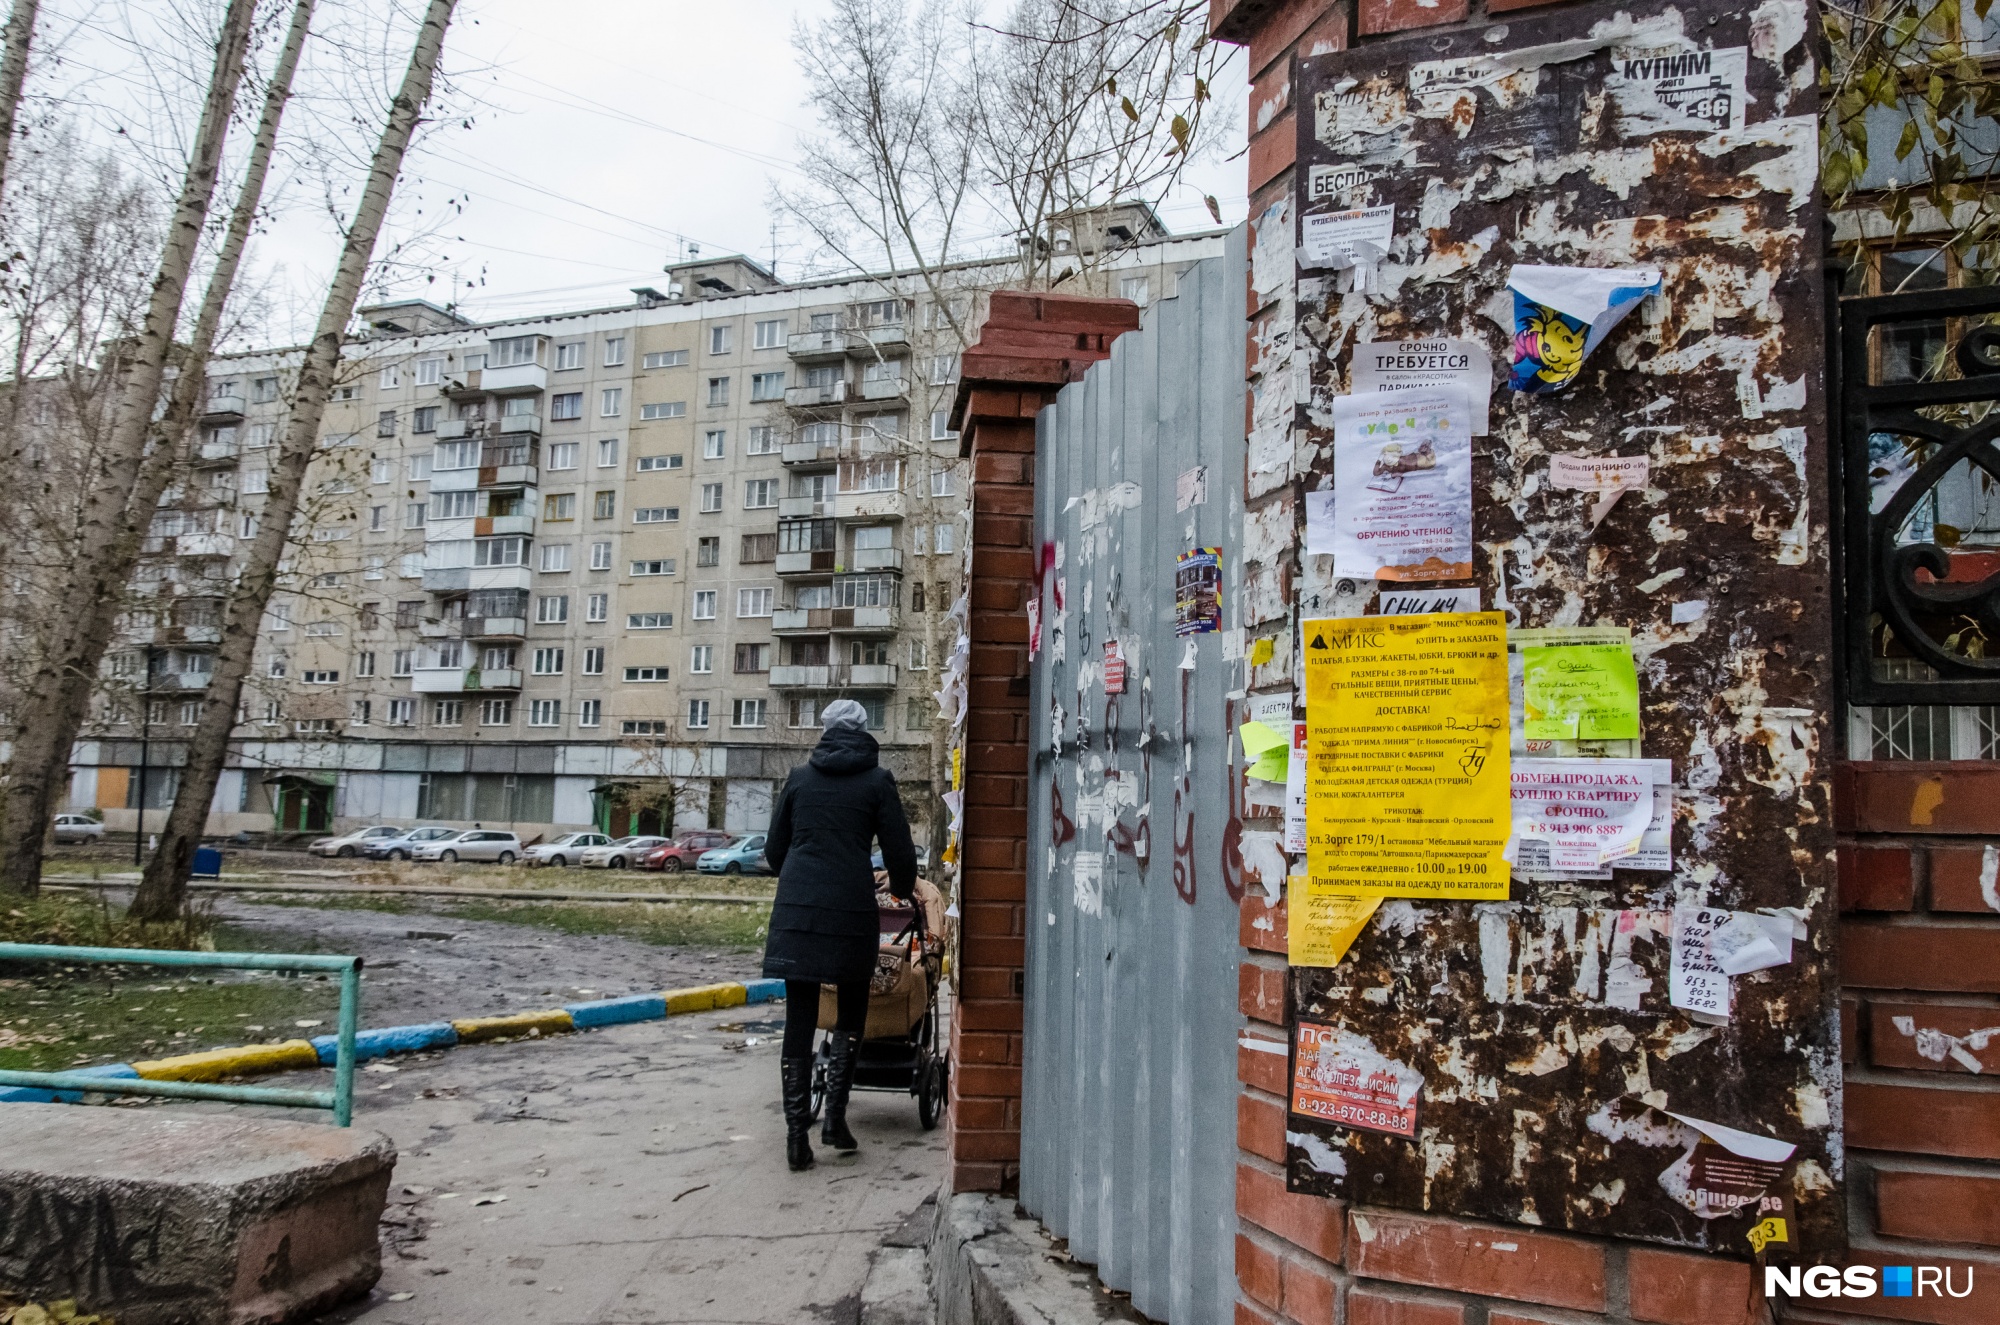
(1321, 924)
(1407, 787)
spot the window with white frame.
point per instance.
(944, 368)
(459, 505)
(257, 436)
(402, 662)
(665, 359)
(648, 464)
(414, 514)
(714, 444)
(718, 392)
(600, 556)
(496, 712)
(500, 551)
(760, 494)
(562, 455)
(420, 466)
(666, 409)
(448, 713)
(701, 659)
(385, 423)
(645, 674)
(547, 662)
(569, 355)
(513, 351)
(320, 676)
(263, 390)
(610, 402)
(256, 480)
(589, 712)
(614, 351)
(770, 335)
(544, 713)
(430, 372)
(871, 475)
(391, 376)
(920, 540)
(942, 483)
(604, 505)
(697, 714)
(402, 712)
(456, 455)
(655, 514)
(555, 557)
(593, 661)
(711, 498)
(753, 603)
(1136, 288)
(649, 621)
(597, 607)
(364, 663)
(747, 712)
(945, 538)
(565, 405)
(655, 566)
(373, 567)
(607, 453)
(766, 387)
(380, 469)
(642, 727)
(704, 604)
(941, 426)
(919, 656)
(552, 609)
(718, 340)
(763, 441)
(279, 614)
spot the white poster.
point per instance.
(1589, 812)
(1418, 602)
(1675, 87)
(1344, 239)
(1404, 365)
(1402, 486)
(1695, 980)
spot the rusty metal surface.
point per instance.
(1517, 155)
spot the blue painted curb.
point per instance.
(617, 1011)
(386, 1040)
(30, 1095)
(763, 991)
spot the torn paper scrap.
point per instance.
(1748, 941)
(1403, 365)
(1319, 523)
(1561, 314)
(1322, 924)
(1295, 792)
(1187, 657)
(1418, 602)
(1696, 982)
(1688, 611)
(1262, 650)
(1610, 477)
(1359, 236)
(1403, 486)
(1191, 488)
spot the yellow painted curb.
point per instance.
(218, 1063)
(703, 997)
(556, 1022)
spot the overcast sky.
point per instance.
(607, 135)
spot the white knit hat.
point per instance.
(844, 713)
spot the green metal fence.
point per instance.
(340, 1099)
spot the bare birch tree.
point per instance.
(38, 770)
(163, 891)
(14, 46)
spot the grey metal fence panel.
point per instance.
(1129, 1092)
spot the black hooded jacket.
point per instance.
(830, 813)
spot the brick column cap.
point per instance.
(1030, 347)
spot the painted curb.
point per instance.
(322, 1050)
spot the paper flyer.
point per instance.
(1339, 1077)
(1589, 812)
(1295, 793)
(1407, 790)
(1322, 924)
(1561, 314)
(1585, 692)
(1407, 365)
(1345, 239)
(1198, 591)
(1402, 490)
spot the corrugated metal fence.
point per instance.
(1129, 1118)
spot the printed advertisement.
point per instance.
(1589, 812)
(1198, 591)
(1409, 365)
(1407, 791)
(1338, 1077)
(1402, 488)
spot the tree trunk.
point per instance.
(66, 676)
(163, 891)
(13, 73)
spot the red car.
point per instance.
(681, 853)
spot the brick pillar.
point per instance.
(1029, 348)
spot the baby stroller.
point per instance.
(899, 1049)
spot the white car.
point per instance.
(78, 828)
(403, 845)
(356, 843)
(622, 854)
(472, 844)
(564, 850)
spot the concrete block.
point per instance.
(162, 1218)
(386, 1040)
(988, 1266)
(763, 991)
(553, 1022)
(30, 1095)
(617, 1011)
(215, 1064)
(701, 998)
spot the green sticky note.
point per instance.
(1580, 693)
(1272, 765)
(1259, 737)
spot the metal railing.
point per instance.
(340, 1099)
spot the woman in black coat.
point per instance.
(825, 928)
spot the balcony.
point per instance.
(222, 409)
(803, 508)
(180, 681)
(498, 577)
(802, 678)
(815, 397)
(431, 628)
(453, 680)
(487, 526)
(872, 342)
(876, 558)
(896, 387)
(868, 506)
(869, 676)
(457, 430)
(860, 676)
(806, 346)
(804, 454)
(215, 451)
(496, 627)
(204, 634)
(509, 464)
(516, 379)
(450, 579)
(468, 383)
(867, 620)
(514, 425)
(802, 621)
(806, 563)
(204, 545)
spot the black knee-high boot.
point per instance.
(796, 1074)
(839, 1081)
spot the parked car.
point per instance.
(565, 850)
(622, 854)
(472, 844)
(78, 828)
(745, 854)
(347, 845)
(404, 846)
(681, 853)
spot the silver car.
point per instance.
(404, 846)
(78, 828)
(355, 843)
(564, 850)
(473, 844)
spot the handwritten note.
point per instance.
(1322, 923)
(1580, 693)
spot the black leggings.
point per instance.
(802, 1012)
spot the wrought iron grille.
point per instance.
(1919, 462)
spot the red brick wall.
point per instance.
(1030, 346)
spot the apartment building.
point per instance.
(595, 568)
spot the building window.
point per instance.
(697, 714)
(600, 556)
(642, 727)
(701, 659)
(559, 506)
(402, 712)
(385, 423)
(413, 514)
(555, 558)
(882, 313)
(552, 609)
(746, 713)
(456, 455)
(759, 548)
(649, 620)
(593, 661)
(614, 351)
(605, 506)
(944, 368)
(766, 386)
(919, 656)
(941, 483)
(669, 409)
(656, 566)
(496, 712)
(708, 552)
(448, 713)
(611, 402)
(424, 419)
(513, 351)
(565, 405)
(391, 376)
(1136, 288)
(704, 605)
(718, 391)
(655, 514)
(562, 455)
(802, 712)
(402, 662)
(364, 664)
(763, 441)
(378, 519)
(711, 498)
(760, 494)
(589, 712)
(607, 453)
(871, 476)
(430, 372)
(358, 712)
(714, 444)
(500, 552)
(718, 340)
(544, 712)
(665, 359)
(920, 540)
(263, 390)
(753, 658)
(569, 355)
(638, 675)
(548, 662)
(753, 603)
(460, 505)
(917, 596)
(650, 463)
(770, 335)
(946, 538)
(597, 607)
(916, 717)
